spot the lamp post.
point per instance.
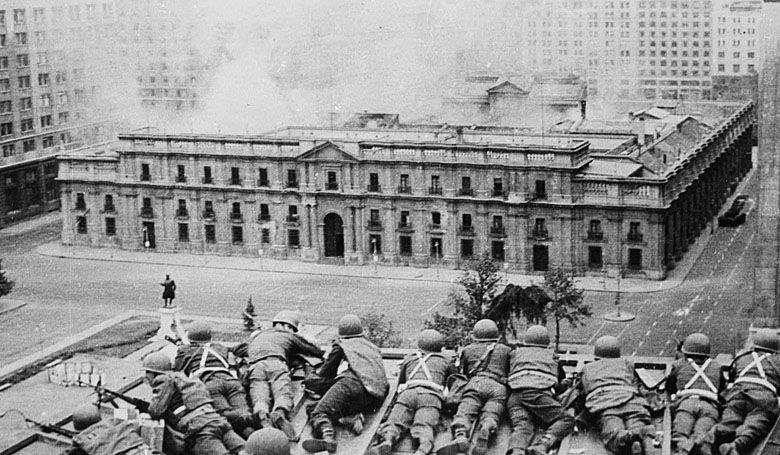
(438, 256)
(146, 238)
(373, 252)
(618, 315)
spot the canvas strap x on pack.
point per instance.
(428, 381)
(688, 388)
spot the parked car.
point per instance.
(735, 215)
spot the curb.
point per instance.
(8, 305)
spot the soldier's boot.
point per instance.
(482, 437)
(326, 441)
(728, 448)
(279, 420)
(460, 443)
(389, 436)
(354, 423)
(542, 446)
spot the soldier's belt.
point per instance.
(270, 356)
(699, 393)
(185, 417)
(610, 388)
(541, 374)
(757, 381)
(421, 383)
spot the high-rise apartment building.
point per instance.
(70, 70)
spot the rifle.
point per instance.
(142, 405)
(46, 427)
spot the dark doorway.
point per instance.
(541, 258)
(334, 236)
(148, 234)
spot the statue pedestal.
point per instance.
(170, 325)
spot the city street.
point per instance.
(65, 296)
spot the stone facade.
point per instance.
(399, 197)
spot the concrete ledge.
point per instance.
(7, 305)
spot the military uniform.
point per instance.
(751, 404)
(694, 384)
(269, 375)
(208, 363)
(186, 406)
(612, 396)
(534, 374)
(360, 386)
(418, 406)
(110, 437)
(485, 395)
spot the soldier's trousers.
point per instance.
(270, 381)
(620, 423)
(417, 410)
(483, 399)
(345, 397)
(529, 406)
(229, 399)
(211, 434)
(693, 418)
(749, 414)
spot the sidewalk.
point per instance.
(386, 272)
(7, 305)
(30, 224)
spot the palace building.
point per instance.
(411, 196)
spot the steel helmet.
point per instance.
(607, 347)
(430, 340)
(350, 326)
(157, 362)
(85, 416)
(765, 339)
(268, 441)
(287, 317)
(199, 332)
(696, 344)
(485, 330)
(537, 335)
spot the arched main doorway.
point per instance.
(334, 236)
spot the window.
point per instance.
(293, 238)
(3, 63)
(108, 203)
(634, 259)
(373, 219)
(8, 150)
(497, 228)
(181, 210)
(466, 248)
(23, 61)
(373, 182)
(540, 228)
(19, 17)
(238, 235)
(6, 128)
(180, 176)
(498, 187)
(634, 232)
(207, 175)
(436, 246)
(375, 243)
(262, 178)
(735, 68)
(5, 85)
(81, 225)
(235, 176)
(43, 79)
(405, 245)
(540, 190)
(46, 100)
(45, 120)
(436, 218)
(497, 250)
(208, 210)
(292, 178)
(80, 203)
(145, 175)
(594, 231)
(541, 258)
(403, 186)
(110, 227)
(235, 213)
(594, 257)
(264, 213)
(332, 183)
(25, 103)
(184, 232)
(466, 220)
(465, 186)
(26, 125)
(265, 235)
(29, 144)
(211, 233)
(435, 185)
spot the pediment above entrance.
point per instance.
(327, 151)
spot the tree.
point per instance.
(5, 284)
(566, 303)
(517, 303)
(470, 301)
(249, 316)
(380, 330)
